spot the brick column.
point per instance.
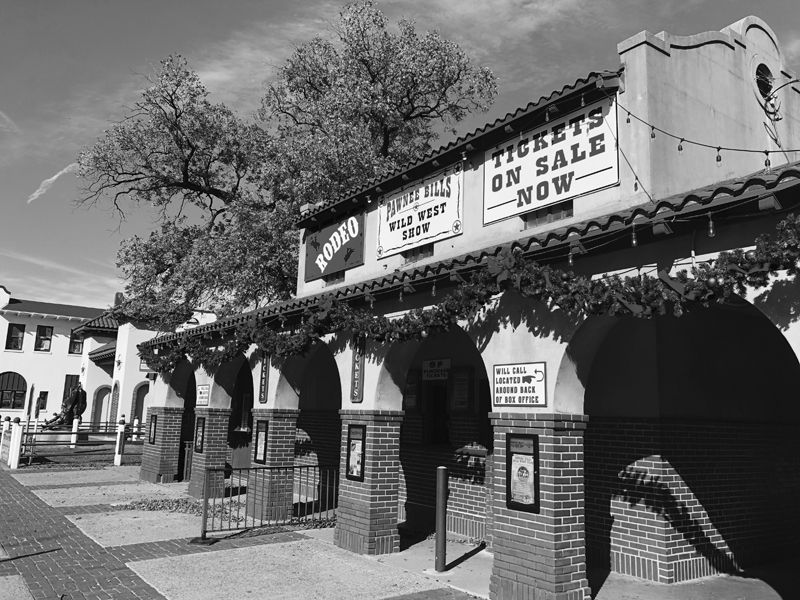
(366, 517)
(270, 492)
(215, 450)
(541, 555)
(160, 460)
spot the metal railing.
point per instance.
(237, 499)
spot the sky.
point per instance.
(68, 68)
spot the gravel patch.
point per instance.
(303, 570)
(13, 588)
(107, 475)
(119, 493)
(121, 528)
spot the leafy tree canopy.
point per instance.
(226, 190)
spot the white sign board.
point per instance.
(521, 384)
(427, 211)
(567, 157)
(202, 394)
(436, 370)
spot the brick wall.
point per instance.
(670, 500)
(215, 451)
(541, 555)
(160, 460)
(366, 518)
(318, 438)
(270, 493)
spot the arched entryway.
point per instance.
(691, 422)
(240, 425)
(140, 393)
(101, 404)
(446, 401)
(184, 386)
(319, 428)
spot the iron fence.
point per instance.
(238, 499)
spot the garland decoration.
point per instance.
(641, 296)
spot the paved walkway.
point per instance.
(57, 561)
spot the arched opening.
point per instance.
(319, 427)
(184, 386)
(240, 425)
(12, 390)
(140, 394)
(101, 404)
(689, 442)
(447, 401)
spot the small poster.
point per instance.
(462, 382)
(411, 392)
(202, 394)
(356, 435)
(261, 442)
(520, 384)
(522, 472)
(264, 384)
(436, 370)
(199, 434)
(357, 373)
(151, 438)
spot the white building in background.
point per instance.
(41, 357)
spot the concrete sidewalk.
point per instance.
(62, 537)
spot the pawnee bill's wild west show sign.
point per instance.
(568, 157)
(334, 248)
(427, 211)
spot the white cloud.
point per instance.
(791, 50)
(6, 124)
(47, 183)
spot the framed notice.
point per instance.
(202, 394)
(426, 211)
(151, 436)
(520, 384)
(199, 434)
(411, 393)
(357, 372)
(522, 472)
(356, 438)
(571, 155)
(261, 442)
(263, 386)
(462, 389)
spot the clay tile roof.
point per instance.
(482, 137)
(780, 178)
(104, 352)
(103, 323)
(48, 308)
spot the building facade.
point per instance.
(41, 357)
(593, 406)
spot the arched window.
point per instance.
(12, 390)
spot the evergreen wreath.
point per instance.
(642, 296)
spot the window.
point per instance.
(75, 344)
(16, 333)
(44, 337)
(418, 253)
(334, 278)
(549, 214)
(12, 390)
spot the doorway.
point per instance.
(187, 426)
(240, 426)
(436, 405)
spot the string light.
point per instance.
(652, 133)
(711, 230)
(634, 241)
(433, 290)
(571, 260)
(583, 102)
(680, 147)
(767, 163)
(401, 295)
(719, 156)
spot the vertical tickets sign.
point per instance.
(568, 157)
(337, 247)
(357, 371)
(425, 212)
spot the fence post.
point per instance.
(204, 539)
(16, 444)
(74, 440)
(120, 448)
(441, 519)
(135, 437)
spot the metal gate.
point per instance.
(235, 499)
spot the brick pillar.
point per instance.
(366, 517)
(269, 491)
(215, 450)
(160, 460)
(541, 555)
